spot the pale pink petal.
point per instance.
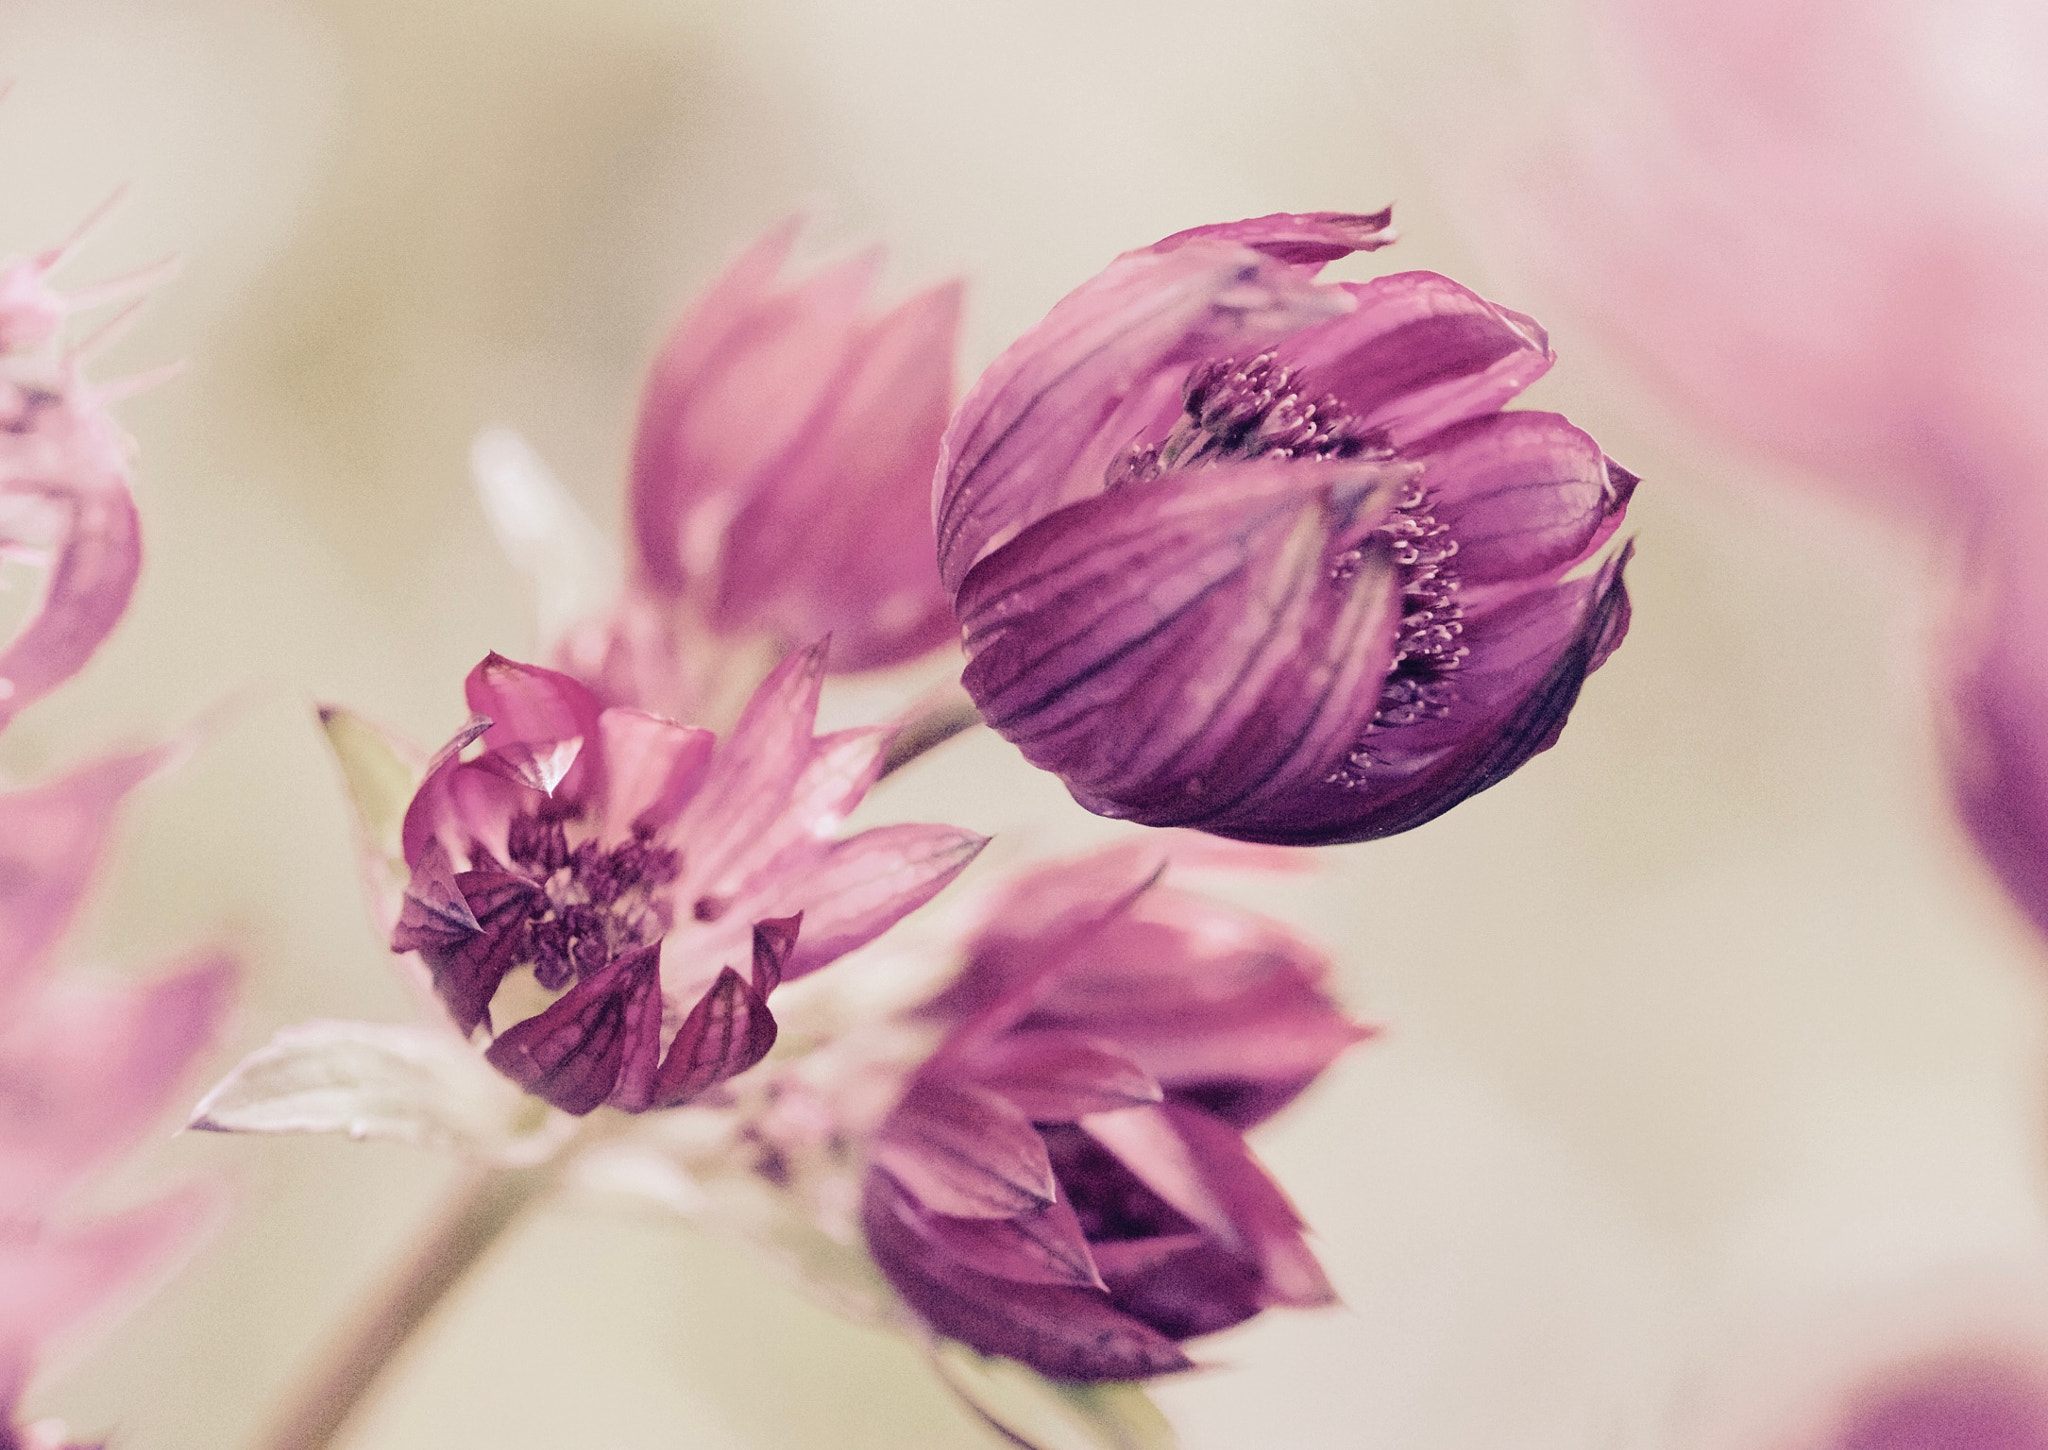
(961, 1150)
(89, 532)
(852, 891)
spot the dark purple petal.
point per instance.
(1208, 618)
(1041, 427)
(727, 1032)
(1041, 1246)
(1259, 1213)
(1067, 1332)
(1418, 353)
(467, 965)
(774, 940)
(601, 1037)
(1524, 494)
(964, 1151)
(1299, 238)
(1057, 1077)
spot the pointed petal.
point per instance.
(774, 940)
(1067, 1332)
(1185, 1286)
(653, 767)
(1041, 427)
(721, 408)
(838, 538)
(751, 778)
(1302, 239)
(854, 890)
(1257, 1209)
(51, 838)
(467, 966)
(964, 1151)
(68, 500)
(539, 721)
(52, 1276)
(90, 1068)
(600, 1037)
(1045, 1246)
(1057, 1077)
(1524, 494)
(1419, 353)
(1144, 1140)
(728, 1031)
(435, 913)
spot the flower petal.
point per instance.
(728, 1031)
(1418, 353)
(1044, 1246)
(1068, 1332)
(1057, 1077)
(741, 372)
(1301, 239)
(837, 537)
(603, 1036)
(86, 522)
(1041, 427)
(1524, 494)
(51, 838)
(961, 1150)
(852, 891)
(653, 768)
(87, 1069)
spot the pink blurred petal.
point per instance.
(1044, 1246)
(51, 839)
(1057, 1077)
(89, 530)
(86, 1070)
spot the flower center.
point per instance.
(1235, 411)
(594, 905)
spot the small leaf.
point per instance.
(382, 1080)
(1043, 1414)
(381, 772)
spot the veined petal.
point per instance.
(539, 722)
(852, 891)
(90, 1068)
(1525, 494)
(1060, 1330)
(654, 767)
(602, 1036)
(1302, 239)
(1058, 1077)
(964, 1151)
(837, 539)
(51, 837)
(1417, 353)
(1044, 1246)
(1040, 428)
(728, 1031)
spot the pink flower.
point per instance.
(1235, 550)
(64, 498)
(84, 1072)
(586, 879)
(1065, 1180)
(781, 477)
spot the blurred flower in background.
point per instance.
(1236, 551)
(86, 1068)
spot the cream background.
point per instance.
(1712, 1061)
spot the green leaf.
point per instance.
(1043, 1414)
(392, 1081)
(380, 771)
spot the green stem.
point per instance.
(476, 1217)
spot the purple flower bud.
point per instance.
(1064, 1180)
(1236, 550)
(584, 879)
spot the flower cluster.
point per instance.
(1064, 1180)
(1235, 550)
(592, 874)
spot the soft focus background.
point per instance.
(1713, 1068)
